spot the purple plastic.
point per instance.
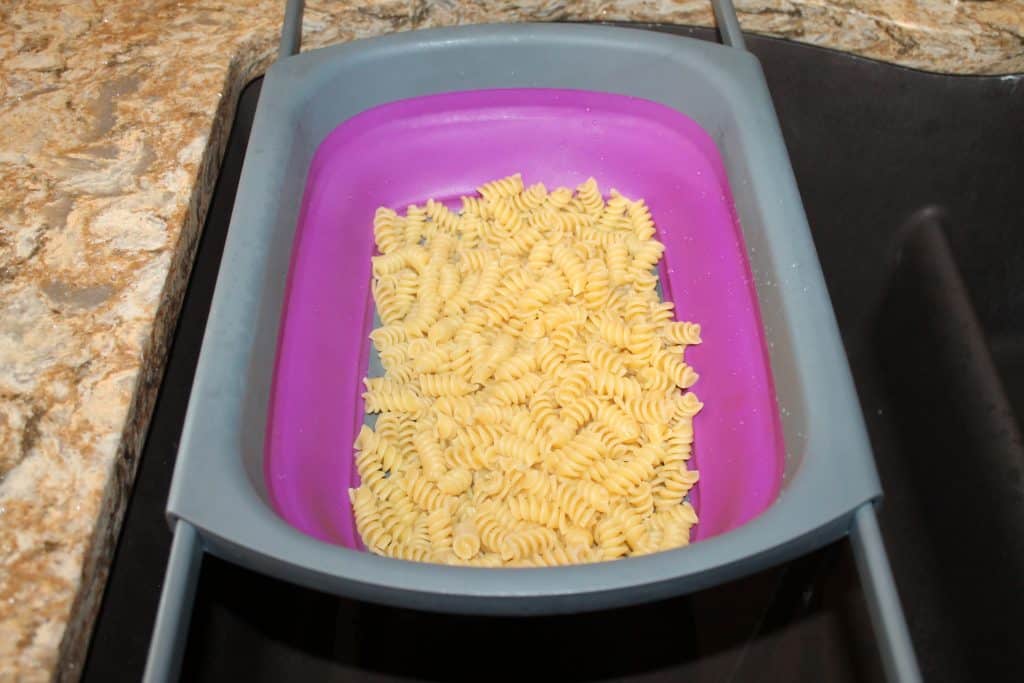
(443, 146)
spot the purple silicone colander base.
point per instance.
(443, 146)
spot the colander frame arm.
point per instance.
(728, 24)
(173, 615)
(891, 633)
(291, 29)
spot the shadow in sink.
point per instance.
(803, 621)
(961, 449)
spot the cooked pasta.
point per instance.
(535, 408)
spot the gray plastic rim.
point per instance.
(218, 487)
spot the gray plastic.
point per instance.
(728, 24)
(894, 645)
(172, 617)
(218, 484)
(291, 29)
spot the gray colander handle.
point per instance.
(170, 632)
(291, 30)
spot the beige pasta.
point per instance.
(535, 408)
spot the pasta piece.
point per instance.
(492, 531)
(504, 187)
(422, 491)
(590, 197)
(519, 544)
(455, 481)
(368, 520)
(430, 455)
(388, 231)
(449, 384)
(539, 510)
(466, 541)
(439, 526)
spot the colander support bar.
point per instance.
(895, 648)
(170, 633)
(291, 31)
(728, 24)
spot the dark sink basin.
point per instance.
(913, 186)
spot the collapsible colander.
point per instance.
(266, 453)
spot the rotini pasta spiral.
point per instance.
(610, 535)
(559, 198)
(465, 541)
(514, 391)
(497, 485)
(439, 528)
(415, 224)
(533, 409)
(682, 333)
(368, 520)
(590, 197)
(388, 231)
(572, 267)
(393, 399)
(525, 542)
(468, 456)
(614, 386)
(492, 531)
(640, 220)
(651, 408)
(430, 455)
(540, 256)
(450, 384)
(455, 481)
(576, 457)
(629, 474)
(413, 552)
(442, 216)
(621, 423)
(503, 187)
(674, 482)
(422, 491)
(541, 511)
(517, 449)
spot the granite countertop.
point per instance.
(113, 119)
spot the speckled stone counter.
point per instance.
(113, 117)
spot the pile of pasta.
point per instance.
(533, 409)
